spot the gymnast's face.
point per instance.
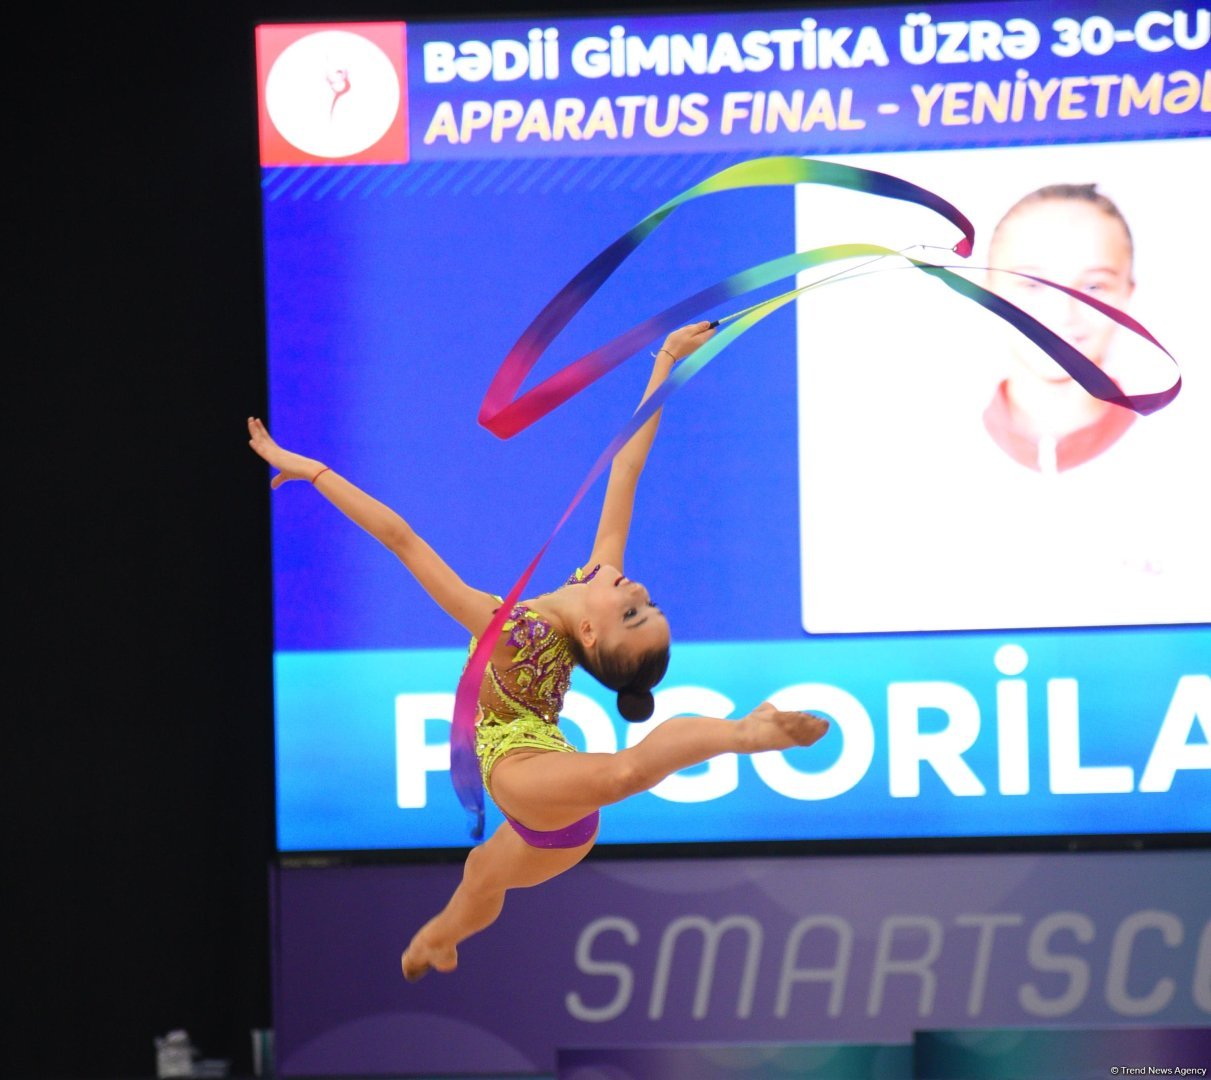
(1073, 243)
(622, 615)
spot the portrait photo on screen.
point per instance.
(952, 475)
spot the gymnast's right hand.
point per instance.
(290, 466)
(680, 343)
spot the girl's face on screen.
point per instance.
(1075, 244)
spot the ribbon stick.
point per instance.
(505, 414)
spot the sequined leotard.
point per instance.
(519, 702)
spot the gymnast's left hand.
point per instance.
(290, 466)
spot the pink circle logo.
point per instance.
(332, 94)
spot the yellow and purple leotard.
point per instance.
(519, 704)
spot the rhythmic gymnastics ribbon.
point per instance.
(504, 413)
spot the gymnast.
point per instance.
(599, 619)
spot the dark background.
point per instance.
(139, 823)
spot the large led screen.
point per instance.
(878, 503)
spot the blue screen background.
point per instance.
(393, 294)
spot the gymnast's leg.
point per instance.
(504, 861)
(550, 790)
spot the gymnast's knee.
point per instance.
(482, 872)
(624, 779)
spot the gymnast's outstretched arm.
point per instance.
(471, 607)
(615, 522)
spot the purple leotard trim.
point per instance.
(574, 835)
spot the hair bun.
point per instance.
(636, 705)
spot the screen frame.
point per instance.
(856, 846)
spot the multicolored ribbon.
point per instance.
(505, 413)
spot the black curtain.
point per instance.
(139, 819)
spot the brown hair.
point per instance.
(632, 679)
(1086, 193)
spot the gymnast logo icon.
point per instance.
(333, 94)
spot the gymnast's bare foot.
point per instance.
(770, 728)
(420, 958)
